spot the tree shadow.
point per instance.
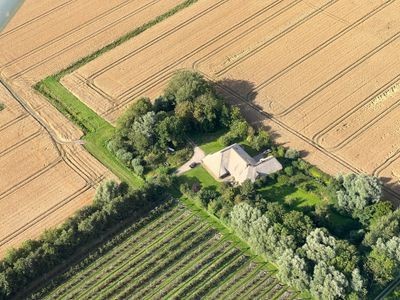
(392, 186)
(241, 88)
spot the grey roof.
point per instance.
(234, 160)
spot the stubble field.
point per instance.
(321, 73)
(46, 174)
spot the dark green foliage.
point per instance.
(384, 228)
(261, 140)
(2, 106)
(113, 202)
(149, 131)
(186, 85)
(292, 154)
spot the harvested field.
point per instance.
(322, 72)
(40, 183)
(46, 174)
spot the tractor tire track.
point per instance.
(339, 75)
(66, 34)
(45, 14)
(319, 135)
(304, 138)
(126, 95)
(4, 240)
(81, 41)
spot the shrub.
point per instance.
(124, 156)
(289, 171)
(292, 154)
(261, 140)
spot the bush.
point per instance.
(292, 154)
(124, 156)
(180, 157)
(289, 171)
(358, 191)
(261, 140)
(186, 85)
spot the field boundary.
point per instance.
(97, 131)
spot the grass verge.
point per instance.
(97, 131)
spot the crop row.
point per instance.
(161, 265)
(151, 258)
(192, 283)
(137, 239)
(110, 275)
(191, 271)
(218, 278)
(249, 285)
(191, 256)
(235, 281)
(262, 288)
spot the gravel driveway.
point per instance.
(198, 155)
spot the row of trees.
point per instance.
(308, 259)
(112, 204)
(308, 256)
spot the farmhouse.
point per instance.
(235, 161)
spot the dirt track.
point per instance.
(46, 174)
(320, 70)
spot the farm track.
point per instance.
(101, 25)
(62, 158)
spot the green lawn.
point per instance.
(278, 193)
(209, 142)
(97, 131)
(199, 174)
